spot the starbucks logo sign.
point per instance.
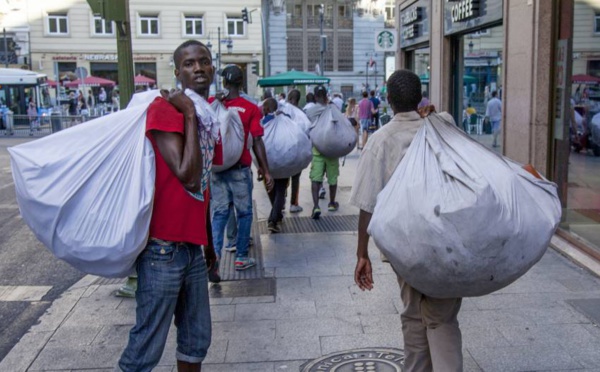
(386, 40)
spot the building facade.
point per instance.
(346, 31)
(528, 52)
(65, 35)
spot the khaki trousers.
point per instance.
(432, 339)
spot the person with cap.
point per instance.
(322, 165)
(234, 185)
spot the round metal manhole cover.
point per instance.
(360, 360)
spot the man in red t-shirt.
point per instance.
(234, 185)
(172, 269)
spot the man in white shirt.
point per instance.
(494, 113)
(338, 101)
(432, 338)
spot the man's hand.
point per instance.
(210, 256)
(269, 182)
(181, 102)
(363, 274)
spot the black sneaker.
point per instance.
(322, 193)
(316, 213)
(213, 273)
(273, 227)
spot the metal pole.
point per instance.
(367, 82)
(322, 63)
(125, 59)
(5, 48)
(219, 59)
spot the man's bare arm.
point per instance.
(363, 274)
(261, 156)
(182, 153)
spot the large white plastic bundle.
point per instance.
(595, 127)
(332, 134)
(232, 135)
(87, 192)
(457, 219)
(298, 116)
(288, 147)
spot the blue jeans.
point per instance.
(172, 280)
(232, 186)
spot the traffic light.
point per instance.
(254, 68)
(245, 15)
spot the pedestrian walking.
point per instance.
(321, 165)
(352, 114)
(375, 118)
(365, 114)
(493, 111)
(172, 269)
(234, 185)
(294, 100)
(432, 338)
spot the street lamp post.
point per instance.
(322, 38)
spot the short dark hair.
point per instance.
(494, 94)
(182, 46)
(365, 94)
(294, 96)
(320, 91)
(270, 104)
(404, 91)
(310, 98)
(372, 93)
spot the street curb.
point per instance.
(576, 255)
(24, 353)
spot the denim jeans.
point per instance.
(172, 280)
(231, 227)
(232, 186)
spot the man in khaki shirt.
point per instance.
(432, 339)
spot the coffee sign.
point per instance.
(463, 10)
(414, 23)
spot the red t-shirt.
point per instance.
(177, 216)
(250, 115)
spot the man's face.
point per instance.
(195, 70)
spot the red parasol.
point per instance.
(143, 80)
(91, 81)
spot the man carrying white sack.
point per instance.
(172, 269)
(432, 338)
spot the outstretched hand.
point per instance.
(363, 274)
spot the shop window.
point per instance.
(193, 25)
(597, 23)
(236, 26)
(102, 26)
(58, 24)
(148, 25)
(294, 50)
(294, 13)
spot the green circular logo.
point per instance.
(385, 39)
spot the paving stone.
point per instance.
(329, 309)
(319, 327)
(484, 336)
(244, 330)
(482, 318)
(535, 357)
(74, 336)
(283, 347)
(239, 367)
(114, 335)
(554, 315)
(297, 310)
(253, 300)
(222, 313)
(25, 352)
(381, 323)
(311, 270)
(331, 344)
(88, 314)
(85, 357)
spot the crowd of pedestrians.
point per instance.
(195, 210)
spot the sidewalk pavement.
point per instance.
(538, 323)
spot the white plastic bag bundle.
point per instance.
(288, 148)
(232, 135)
(595, 127)
(87, 192)
(458, 220)
(332, 134)
(298, 116)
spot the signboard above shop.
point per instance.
(462, 16)
(414, 23)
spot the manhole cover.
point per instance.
(361, 360)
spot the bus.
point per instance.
(18, 87)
